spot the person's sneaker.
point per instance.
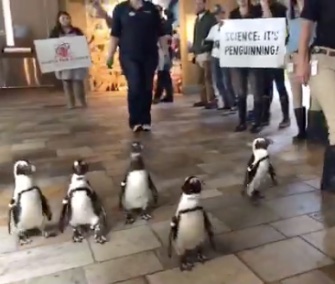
(156, 101)
(167, 100)
(146, 127)
(241, 127)
(285, 123)
(137, 128)
(199, 104)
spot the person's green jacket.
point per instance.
(202, 27)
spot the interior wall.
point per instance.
(2, 28)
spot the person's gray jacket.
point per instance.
(200, 33)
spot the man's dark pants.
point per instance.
(139, 74)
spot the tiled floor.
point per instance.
(287, 239)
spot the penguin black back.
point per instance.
(192, 185)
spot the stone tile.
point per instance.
(329, 271)
(323, 240)
(283, 259)
(288, 189)
(227, 268)
(295, 205)
(134, 281)
(72, 276)
(81, 152)
(8, 242)
(297, 226)
(125, 242)
(124, 268)
(326, 217)
(245, 215)
(210, 193)
(25, 264)
(312, 277)
(248, 238)
(28, 146)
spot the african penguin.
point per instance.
(82, 206)
(28, 207)
(137, 188)
(259, 167)
(190, 225)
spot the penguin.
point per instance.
(259, 167)
(82, 206)
(28, 209)
(190, 225)
(138, 191)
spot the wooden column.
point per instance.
(187, 18)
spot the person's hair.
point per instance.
(58, 27)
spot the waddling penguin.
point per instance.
(82, 206)
(137, 188)
(190, 225)
(259, 167)
(28, 208)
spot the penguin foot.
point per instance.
(186, 266)
(129, 220)
(77, 238)
(24, 241)
(201, 258)
(258, 195)
(100, 239)
(146, 216)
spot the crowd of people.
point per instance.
(143, 37)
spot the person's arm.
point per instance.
(309, 15)
(54, 33)
(266, 9)
(161, 32)
(116, 31)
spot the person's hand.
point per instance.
(110, 61)
(303, 72)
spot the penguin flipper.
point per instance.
(123, 188)
(250, 172)
(209, 230)
(153, 189)
(63, 220)
(98, 207)
(173, 234)
(45, 205)
(272, 174)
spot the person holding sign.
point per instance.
(316, 66)
(136, 29)
(241, 76)
(221, 76)
(73, 79)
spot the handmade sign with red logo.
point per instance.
(62, 53)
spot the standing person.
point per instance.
(136, 29)
(221, 76)
(164, 81)
(241, 76)
(73, 80)
(204, 22)
(274, 9)
(317, 66)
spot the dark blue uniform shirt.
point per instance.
(138, 30)
(322, 12)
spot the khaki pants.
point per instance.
(296, 86)
(74, 90)
(322, 86)
(205, 81)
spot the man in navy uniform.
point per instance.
(317, 68)
(136, 28)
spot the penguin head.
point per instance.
(192, 185)
(136, 149)
(23, 167)
(80, 167)
(261, 143)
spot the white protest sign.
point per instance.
(255, 43)
(64, 53)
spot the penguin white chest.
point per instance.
(82, 210)
(31, 211)
(137, 193)
(191, 231)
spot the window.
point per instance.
(7, 15)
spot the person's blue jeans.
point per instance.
(139, 75)
(222, 80)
